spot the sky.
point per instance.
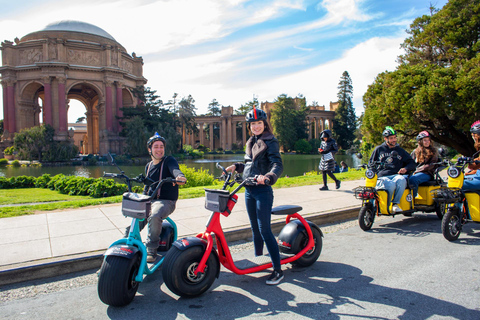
(235, 50)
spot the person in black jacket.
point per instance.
(327, 149)
(164, 202)
(263, 161)
(396, 163)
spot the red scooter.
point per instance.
(192, 264)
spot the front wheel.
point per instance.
(452, 224)
(366, 218)
(116, 280)
(311, 255)
(178, 271)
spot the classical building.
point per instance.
(66, 60)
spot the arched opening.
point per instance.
(83, 100)
(31, 105)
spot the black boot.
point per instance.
(323, 188)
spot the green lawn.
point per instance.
(58, 201)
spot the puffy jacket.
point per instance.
(328, 146)
(426, 166)
(262, 157)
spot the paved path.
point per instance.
(40, 240)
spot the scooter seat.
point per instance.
(429, 183)
(286, 209)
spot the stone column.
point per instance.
(119, 103)
(244, 132)
(200, 134)
(62, 105)
(229, 133)
(47, 102)
(212, 140)
(108, 105)
(6, 124)
(11, 106)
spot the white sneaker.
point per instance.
(396, 208)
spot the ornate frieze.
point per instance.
(81, 57)
(30, 56)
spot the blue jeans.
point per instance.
(472, 182)
(417, 179)
(395, 184)
(259, 201)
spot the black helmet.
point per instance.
(326, 134)
(389, 131)
(475, 128)
(256, 115)
(422, 135)
(155, 137)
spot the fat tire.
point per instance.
(452, 224)
(178, 269)
(116, 280)
(311, 256)
(366, 217)
(440, 210)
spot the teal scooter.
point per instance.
(125, 262)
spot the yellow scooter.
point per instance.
(379, 202)
(461, 206)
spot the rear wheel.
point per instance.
(178, 271)
(116, 280)
(311, 255)
(366, 217)
(452, 224)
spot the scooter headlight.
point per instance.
(369, 174)
(453, 172)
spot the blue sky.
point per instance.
(233, 50)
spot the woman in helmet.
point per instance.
(328, 148)
(425, 155)
(263, 161)
(472, 174)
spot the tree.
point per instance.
(1, 127)
(245, 108)
(214, 108)
(436, 87)
(148, 117)
(288, 121)
(186, 115)
(345, 120)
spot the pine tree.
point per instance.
(345, 119)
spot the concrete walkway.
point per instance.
(57, 242)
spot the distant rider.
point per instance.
(425, 155)
(397, 163)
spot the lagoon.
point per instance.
(294, 165)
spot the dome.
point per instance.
(77, 26)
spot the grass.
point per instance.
(58, 201)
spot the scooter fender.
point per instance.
(292, 236)
(166, 237)
(121, 250)
(188, 242)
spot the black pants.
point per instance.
(330, 174)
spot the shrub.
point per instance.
(25, 182)
(3, 183)
(42, 181)
(16, 163)
(3, 162)
(9, 151)
(105, 187)
(196, 178)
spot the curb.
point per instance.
(46, 268)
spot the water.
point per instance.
(294, 165)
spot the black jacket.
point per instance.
(392, 164)
(328, 146)
(262, 157)
(170, 169)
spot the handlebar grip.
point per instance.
(267, 181)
